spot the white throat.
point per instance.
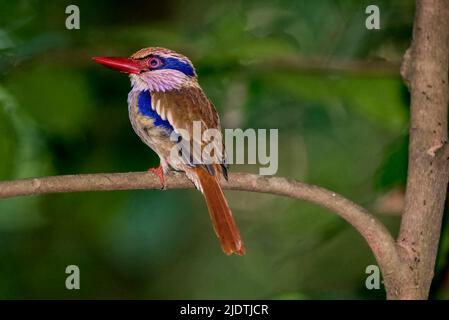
(158, 80)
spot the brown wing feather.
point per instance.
(184, 106)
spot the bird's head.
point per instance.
(154, 69)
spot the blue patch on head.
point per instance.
(144, 106)
(177, 64)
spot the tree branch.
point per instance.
(318, 65)
(377, 236)
(425, 70)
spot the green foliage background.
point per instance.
(60, 113)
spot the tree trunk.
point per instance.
(425, 69)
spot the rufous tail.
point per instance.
(222, 219)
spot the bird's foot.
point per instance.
(159, 171)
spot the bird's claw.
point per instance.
(159, 171)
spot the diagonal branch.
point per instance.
(377, 236)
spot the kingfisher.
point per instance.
(166, 101)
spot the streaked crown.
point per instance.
(158, 58)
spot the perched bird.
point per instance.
(165, 100)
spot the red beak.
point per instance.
(125, 65)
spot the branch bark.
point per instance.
(377, 236)
(425, 70)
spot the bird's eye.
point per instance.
(154, 62)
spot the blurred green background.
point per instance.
(309, 68)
